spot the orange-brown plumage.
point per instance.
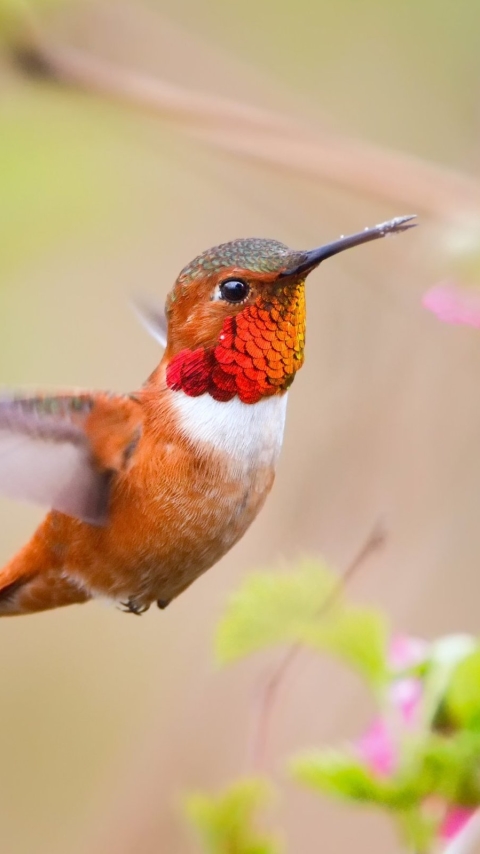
(150, 490)
(149, 550)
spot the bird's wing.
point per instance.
(62, 450)
(152, 316)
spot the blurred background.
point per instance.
(133, 135)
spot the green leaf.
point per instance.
(441, 766)
(272, 608)
(297, 607)
(356, 635)
(448, 767)
(444, 768)
(462, 697)
(341, 774)
(417, 830)
(224, 823)
(335, 773)
(445, 656)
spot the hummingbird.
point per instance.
(148, 490)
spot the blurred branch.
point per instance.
(264, 707)
(74, 67)
(256, 134)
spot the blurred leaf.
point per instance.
(434, 769)
(275, 607)
(335, 773)
(224, 823)
(462, 697)
(448, 766)
(418, 830)
(343, 775)
(356, 635)
(442, 766)
(445, 656)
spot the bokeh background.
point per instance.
(365, 110)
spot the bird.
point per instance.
(149, 490)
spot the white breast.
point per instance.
(251, 434)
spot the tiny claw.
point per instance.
(132, 607)
(163, 603)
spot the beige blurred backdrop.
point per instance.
(105, 720)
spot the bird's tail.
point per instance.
(31, 582)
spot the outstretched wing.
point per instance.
(62, 451)
(152, 316)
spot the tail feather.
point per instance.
(29, 583)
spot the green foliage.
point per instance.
(417, 829)
(272, 607)
(439, 767)
(224, 823)
(439, 675)
(304, 606)
(462, 698)
(356, 635)
(433, 754)
(447, 766)
(343, 775)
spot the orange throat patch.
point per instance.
(258, 352)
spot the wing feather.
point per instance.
(153, 318)
(48, 452)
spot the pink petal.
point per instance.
(406, 695)
(454, 821)
(376, 749)
(453, 305)
(406, 651)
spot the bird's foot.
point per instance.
(132, 607)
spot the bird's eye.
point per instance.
(234, 290)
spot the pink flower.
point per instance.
(406, 652)
(379, 747)
(454, 305)
(454, 821)
(376, 749)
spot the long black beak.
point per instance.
(310, 260)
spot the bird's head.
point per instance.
(236, 316)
